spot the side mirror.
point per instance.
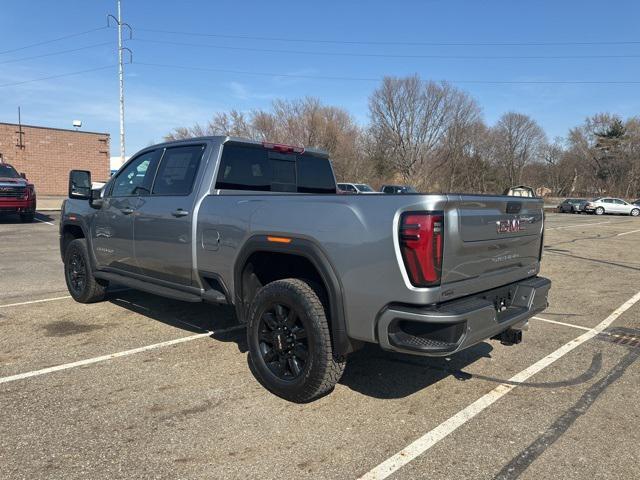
(23, 175)
(96, 197)
(80, 184)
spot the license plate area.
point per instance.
(503, 301)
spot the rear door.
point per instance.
(491, 237)
(163, 221)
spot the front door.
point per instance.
(112, 234)
(163, 222)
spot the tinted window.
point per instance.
(260, 169)
(136, 178)
(244, 168)
(177, 170)
(7, 171)
(315, 175)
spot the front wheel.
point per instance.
(635, 212)
(81, 283)
(289, 341)
(599, 211)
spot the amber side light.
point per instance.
(279, 239)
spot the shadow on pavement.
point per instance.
(373, 372)
(370, 371)
(14, 219)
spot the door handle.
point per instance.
(127, 211)
(179, 213)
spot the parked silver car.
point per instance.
(600, 206)
(355, 188)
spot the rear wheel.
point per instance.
(81, 283)
(599, 211)
(635, 212)
(289, 342)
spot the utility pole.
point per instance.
(121, 77)
(121, 24)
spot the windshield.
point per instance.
(364, 188)
(7, 171)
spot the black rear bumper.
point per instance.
(453, 326)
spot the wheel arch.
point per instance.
(69, 232)
(313, 255)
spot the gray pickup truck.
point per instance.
(314, 274)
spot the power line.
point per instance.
(61, 52)
(50, 77)
(377, 79)
(45, 42)
(387, 55)
(373, 42)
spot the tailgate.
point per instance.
(493, 238)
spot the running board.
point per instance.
(213, 296)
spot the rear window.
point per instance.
(177, 170)
(260, 169)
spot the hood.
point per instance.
(13, 181)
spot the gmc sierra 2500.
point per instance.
(312, 273)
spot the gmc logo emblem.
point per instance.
(509, 226)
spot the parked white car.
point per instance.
(600, 206)
(355, 188)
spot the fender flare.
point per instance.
(313, 253)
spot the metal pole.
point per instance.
(121, 77)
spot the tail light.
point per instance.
(421, 240)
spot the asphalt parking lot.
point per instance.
(135, 387)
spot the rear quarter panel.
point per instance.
(356, 233)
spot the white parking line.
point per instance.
(103, 358)
(627, 233)
(428, 440)
(43, 221)
(35, 301)
(562, 323)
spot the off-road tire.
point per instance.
(76, 264)
(322, 369)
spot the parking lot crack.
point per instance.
(524, 459)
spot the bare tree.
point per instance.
(409, 118)
(518, 141)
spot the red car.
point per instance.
(17, 195)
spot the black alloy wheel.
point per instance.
(77, 273)
(283, 341)
(289, 341)
(83, 286)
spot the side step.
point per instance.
(213, 296)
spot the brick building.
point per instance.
(47, 154)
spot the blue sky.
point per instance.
(160, 98)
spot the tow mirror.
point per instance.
(96, 197)
(80, 184)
